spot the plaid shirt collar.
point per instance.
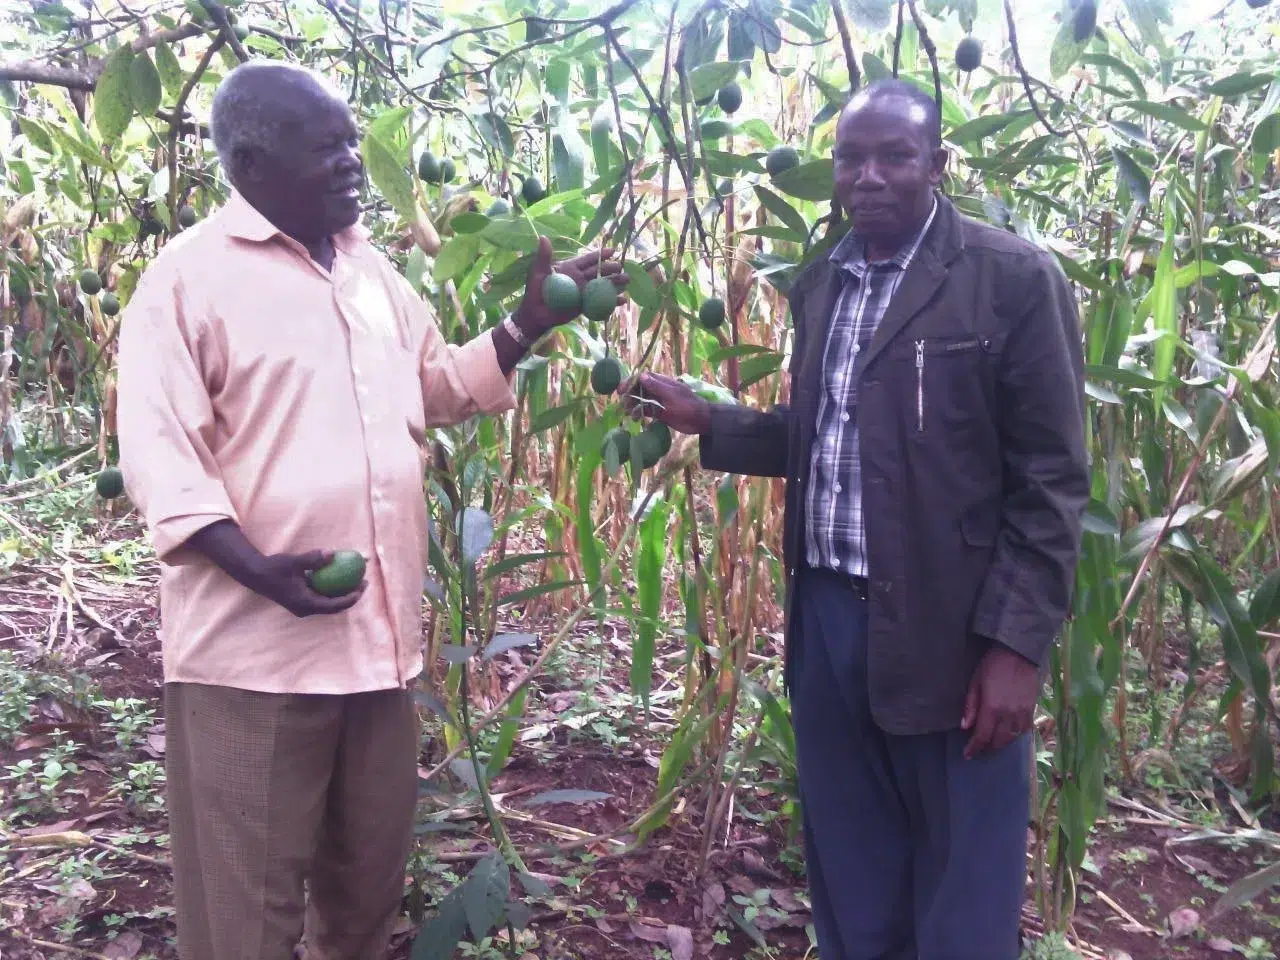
(851, 252)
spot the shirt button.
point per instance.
(844, 417)
(838, 488)
(857, 348)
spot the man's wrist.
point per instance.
(529, 329)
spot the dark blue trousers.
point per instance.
(913, 852)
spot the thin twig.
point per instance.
(846, 41)
(931, 50)
(1022, 72)
(174, 127)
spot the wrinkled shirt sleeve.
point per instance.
(458, 382)
(165, 418)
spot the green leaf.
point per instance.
(641, 289)
(511, 233)
(1107, 61)
(144, 85)
(496, 133)
(35, 132)
(507, 734)
(814, 181)
(566, 796)
(439, 936)
(520, 596)
(456, 653)
(1264, 607)
(484, 894)
(568, 157)
(389, 175)
(507, 641)
(984, 126)
(458, 253)
(1066, 48)
(1266, 135)
(553, 416)
(1162, 111)
(169, 69)
(508, 564)
(1164, 300)
(649, 563)
(1238, 83)
(871, 15)
(1148, 15)
(1132, 175)
(475, 533)
(706, 79)
(112, 97)
(557, 82)
(1248, 888)
(782, 210)
(1239, 636)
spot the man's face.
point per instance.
(885, 166)
(309, 182)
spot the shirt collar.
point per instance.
(851, 252)
(243, 220)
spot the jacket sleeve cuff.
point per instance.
(482, 377)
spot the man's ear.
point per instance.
(938, 167)
(247, 165)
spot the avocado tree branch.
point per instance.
(1022, 72)
(86, 78)
(897, 39)
(931, 50)
(219, 14)
(846, 41)
(176, 126)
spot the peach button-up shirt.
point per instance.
(257, 387)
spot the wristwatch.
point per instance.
(513, 329)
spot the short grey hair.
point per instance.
(242, 117)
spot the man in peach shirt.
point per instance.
(277, 377)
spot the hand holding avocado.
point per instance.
(556, 293)
(307, 584)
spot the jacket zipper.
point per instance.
(919, 386)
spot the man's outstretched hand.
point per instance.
(282, 578)
(533, 316)
(1001, 700)
(664, 398)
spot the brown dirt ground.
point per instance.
(624, 904)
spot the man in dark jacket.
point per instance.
(936, 474)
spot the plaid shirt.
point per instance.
(835, 534)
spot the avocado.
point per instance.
(730, 97)
(340, 575)
(969, 54)
(620, 441)
(428, 167)
(532, 191)
(110, 304)
(560, 293)
(599, 298)
(90, 282)
(187, 216)
(661, 434)
(110, 483)
(711, 313)
(781, 159)
(606, 375)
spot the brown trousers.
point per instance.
(267, 791)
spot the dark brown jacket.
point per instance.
(973, 509)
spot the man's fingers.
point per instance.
(984, 730)
(1005, 731)
(542, 256)
(589, 260)
(313, 560)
